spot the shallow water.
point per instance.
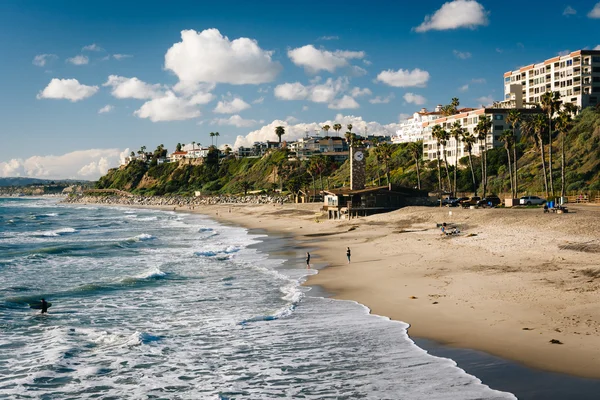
(153, 304)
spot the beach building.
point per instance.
(576, 76)
(411, 128)
(177, 155)
(197, 153)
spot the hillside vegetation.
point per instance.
(274, 171)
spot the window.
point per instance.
(498, 117)
(595, 89)
(596, 79)
(595, 59)
(569, 63)
(593, 99)
(498, 127)
(595, 69)
(496, 138)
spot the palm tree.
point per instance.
(416, 150)
(456, 133)
(217, 139)
(318, 164)
(508, 138)
(337, 128)
(563, 125)
(349, 136)
(326, 128)
(445, 138)
(384, 152)
(193, 145)
(178, 147)
(436, 132)
(349, 126)
(469, 142)
(482, 129)
(280, 131)
(212, 135)
(540, 125)
(550, 104)
(514, 119)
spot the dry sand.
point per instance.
(511, 282)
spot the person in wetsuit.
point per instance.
(44, 306)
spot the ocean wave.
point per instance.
(215, 252)
(54, 233)
(152, 273)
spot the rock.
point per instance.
(555, 341)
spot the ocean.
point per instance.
(150, 304)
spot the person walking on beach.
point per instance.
(348, 254)
(307, 259)
(44, 306)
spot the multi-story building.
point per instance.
(576, 76)
(468, 120)
(411, 129)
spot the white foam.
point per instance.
(153, 272)
(54, 233)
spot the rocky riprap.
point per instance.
(175, 201)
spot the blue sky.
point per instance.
(242, 68)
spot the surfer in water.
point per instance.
(44, 306)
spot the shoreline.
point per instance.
(469, 320)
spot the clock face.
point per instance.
(358, 156)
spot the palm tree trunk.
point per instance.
(485, 180)
(312, 197)
(455, 166)
(516, 194)
(472, 174)
(439, 173)
(550, 154)
(482, 156)
(447, 171)
(512, 190)
(543, 157)
(562, 166)
(418, 174)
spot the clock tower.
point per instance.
(357, 168)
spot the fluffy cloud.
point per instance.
(357, 92)
(133, 88)
(404, 78)
(80, 164)
(42, 59)
(314, 60)
(463, 88)
(317, 92)
(201, 98)
(569, 11)
(597, 47)
(78, 60)
(231, 107)
(168, 108)
(69, 89)
(296, 131)
(595, 12)
(414, 98)
(345, 102)
(236, 120)
(455, 14)
(211, 57)
(382, 100)
(106, 109)
(486, 100)
(463, 55)
(92, 47)
(120, 57)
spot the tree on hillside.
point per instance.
(550, 102)
(132, 154)
(563, 125)
(178, 147)
(212, 135)
(445, 137)
(456, 133)
(416, 151)
(514, 119)
(507, 138)
(217, 139)
(385, 151)
(279, 131)
(348, 137)
(539, 124)
(318, 165)
(193, 145)
(245, 186)
(482, 129)
(436, 132)
(469, 141)
(349, 127)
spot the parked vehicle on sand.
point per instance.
(489, 201)
(531, 200)
(471, 202)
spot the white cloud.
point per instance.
(455, 14)
(296, 131)
(485, 100)
(463, 55)
(382, 100)
(414, 98)
(168, 108)
(78, 60)
(211, 57)
(69, 89)
(120, 57)
(292, 120)
(260, 100)
(133, 88)
(235, 120)
(106, 109)
(42, 59)
(324, 92)
(92, 47)
(595, 12)
(202, 98)
(403, 116)
(345, 102)
(597, 47)
(328, 38)
(564, 53)
(569, 11)
(463, 88)
(304, 108)
(231, 107)
(404, 78)
(80, 164)
(357, 92)
(314, 60)
(357, 71)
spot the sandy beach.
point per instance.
(508, 284)
(511, 282)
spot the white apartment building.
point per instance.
(575, 76)
(468, 120)
(411, 129)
